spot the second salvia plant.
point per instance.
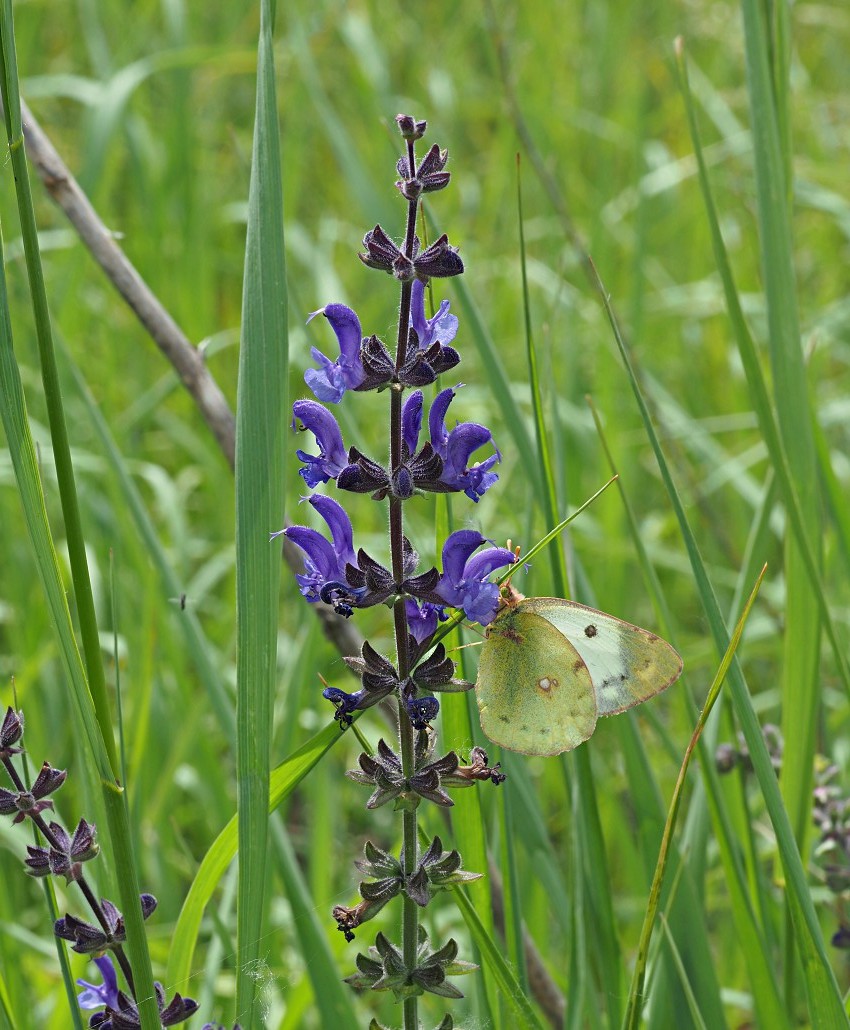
(461, 460)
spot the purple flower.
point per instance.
(454, 447)
(332, 457)
(330, 381)
(96, 995)
(422, 711)
(345, 704)
(327, 577)
(422, 619)
(442, 328)
(464, 582)
(411, 421)
(125, 1015)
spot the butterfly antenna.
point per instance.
(472, 643)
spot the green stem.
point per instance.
(53, 394)
(116, 813)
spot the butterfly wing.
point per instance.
(535, 694)
(627, 664)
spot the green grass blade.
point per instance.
(521, 1008)
(656, 594)
(53, 393)
(260, 421)
(24, 461)
(598, 909)
(5, 1007)
(800, 682)
(284, 779)
(823, 991)
(759, 395)
(693, 951)
(22, 451)
(801, 699)
(469, 835)
(511, 895)
(693, 1005)
(635, 1002)
(542, 432)
(203, 659)
(332, 999)
(499, 384)
(834, 496)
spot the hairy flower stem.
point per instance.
(410, 914)
(41, 825)
(348, 578)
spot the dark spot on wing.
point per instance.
(578, 665)
(590, 631)
(504, 718)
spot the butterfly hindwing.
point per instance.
(627, 664)
(534, 691)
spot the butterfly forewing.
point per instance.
(627, 664)
(534, 691)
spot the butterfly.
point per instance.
(549, 668)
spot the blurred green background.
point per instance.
(151, 105)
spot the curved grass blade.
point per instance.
(636, 992)
(512, 993)
(60, 441)
(202, 657)
(758, 389)
(681, 917)
(101, 757)
(693, 1005)
(283, 780)
(332, 999)
(823, 989)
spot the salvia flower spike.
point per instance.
(455, 457)
(65, 854)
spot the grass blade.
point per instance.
(800, 683)
(633, 1011)
(332, 998)
(512, 994)
(284, 779)
(93, 719)
(260, 419)
(823, 990)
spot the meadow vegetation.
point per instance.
(727, 295)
